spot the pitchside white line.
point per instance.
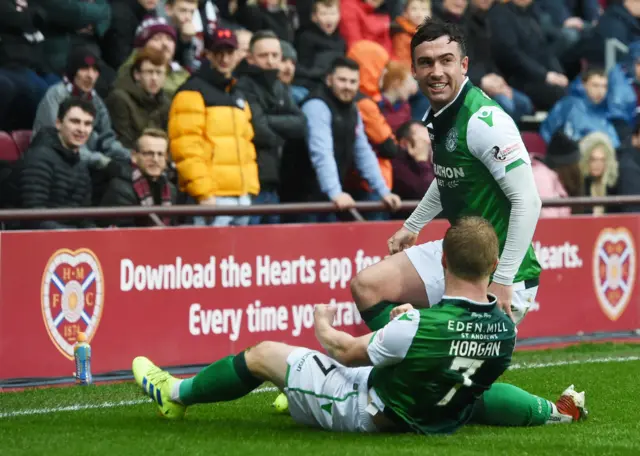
(271, 389)
(609, 359)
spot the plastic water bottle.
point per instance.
(82, 354)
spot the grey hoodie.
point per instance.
(103, 144)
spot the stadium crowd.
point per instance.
(240, 102)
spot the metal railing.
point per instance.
(193, 209)
(611, 48)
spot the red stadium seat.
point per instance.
(534, 143)
(8, 148)
(22, 139)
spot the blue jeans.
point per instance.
(362, 195)
(22, 89)
(226, 220)
(518, 106)
(265, 197)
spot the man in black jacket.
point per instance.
(24, 78)
(126, 16)
(50, 173)
(483, 70)
(522, 52)
(271, 101)
(142, 182)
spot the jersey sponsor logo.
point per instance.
(506, 153)
(448, 171)
(614, 270)
(565, 256)
(452, 140)
(72, 297)
(486, 115)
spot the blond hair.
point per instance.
(610, 175)
(470, 248)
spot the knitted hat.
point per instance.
(223, 38)
(79, 58)
(288, 51)
(562, 151)
(150, 26)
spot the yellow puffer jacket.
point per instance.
(211, 138)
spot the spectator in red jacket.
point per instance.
(365, 20)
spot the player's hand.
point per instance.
(392, 201)
(403, 239)
(324, 313)
(504, 295)
(343, 201)
(399, 310)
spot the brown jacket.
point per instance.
(132, 110)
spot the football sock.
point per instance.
(377, 317)
(225, 380)
(508, 405)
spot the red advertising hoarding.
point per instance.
(191, 295)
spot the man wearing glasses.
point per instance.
(142, 182)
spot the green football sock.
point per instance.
(508, 405)
(377, 317)
(225, 380)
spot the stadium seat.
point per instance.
(22, 139)
(8, 148)
(534, 143)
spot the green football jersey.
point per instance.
(430, 365)
(475, 143)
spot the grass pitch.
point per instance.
(119, 420)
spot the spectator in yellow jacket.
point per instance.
(211, 134)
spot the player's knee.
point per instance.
(364, 289)
(257, 356)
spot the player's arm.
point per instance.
(384, 347)
(346, 349)
(426, 211)
(492, 136)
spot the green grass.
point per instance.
(250, 426)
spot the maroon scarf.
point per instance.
(142, 189)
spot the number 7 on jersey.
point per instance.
(468, 367)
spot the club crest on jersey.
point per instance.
(614, 270)
(452, 140)
(72, 297)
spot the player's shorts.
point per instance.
(323, 393)
(427, 259)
